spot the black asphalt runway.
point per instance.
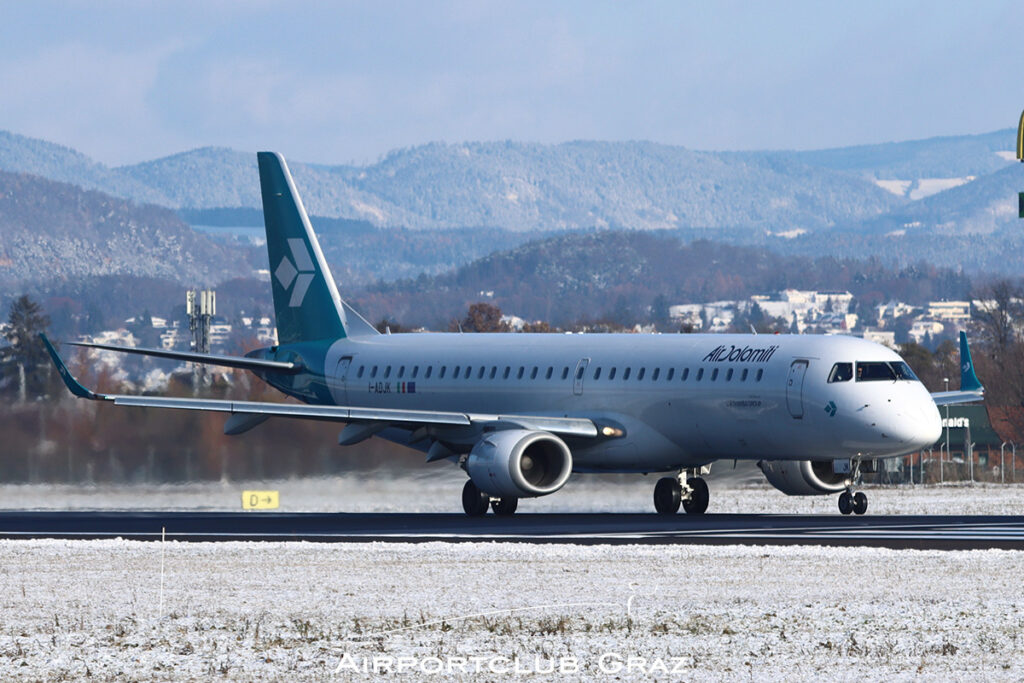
(921, 532)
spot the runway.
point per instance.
(920, 532)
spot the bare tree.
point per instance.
(999, 307)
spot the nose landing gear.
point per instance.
(686, 489)
(850, 500)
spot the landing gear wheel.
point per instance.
(846, 503)
(860, 503)
(474, 501)
(699, 497)
(667, 496)
(505, 507)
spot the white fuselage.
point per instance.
(682, 400)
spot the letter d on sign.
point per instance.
(260, 500)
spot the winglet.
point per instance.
(73, 385)
(968, 379)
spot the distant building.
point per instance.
(172, 338)
(892, 310)
(884, 337)
(920, 329)
(953, 311)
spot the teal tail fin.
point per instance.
(306, 300)
(968, 379)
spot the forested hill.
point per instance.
(52, 231)
(618, 275)
(509, 185)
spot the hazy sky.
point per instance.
(337, 82)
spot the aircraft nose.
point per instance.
(921, 425)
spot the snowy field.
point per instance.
(440, 491)
(76, 610)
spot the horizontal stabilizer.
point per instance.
(242, 362)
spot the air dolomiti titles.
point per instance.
(738, 354)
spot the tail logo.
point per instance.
(298, 270)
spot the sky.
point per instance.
(346, 82)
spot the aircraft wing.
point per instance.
(568, 426)
(970, 387)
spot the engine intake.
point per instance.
(519, 463)
(803, 477)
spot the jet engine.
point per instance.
(803, 477)
(519, 463)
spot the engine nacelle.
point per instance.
(803, 477)
(519, 463)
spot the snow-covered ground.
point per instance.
(72, 610)
(440, 491)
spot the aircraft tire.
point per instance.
(860, 503)
(699, 497)
(505, 507)
(474, 501)
(845, 503)
(667, 496)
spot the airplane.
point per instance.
(520, 412)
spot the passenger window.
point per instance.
(415, 371)
(611, 373)
(480, 375)
(373, 372)
(743, 377)
(640, 375)
(551, 371)
(685, 375)
(728, 375)
(565, 373)
(714, 375)
(670, 375)
(760, 374)
(533, 373)
(494, 371)
(401, 372)
(597, 373)
(700, 374)
(625, 374)
(387, 372)
(444, 368)
(519, 375)
(430, 371)
(654, 377)
(455, 372)
(506, 373)
(841, 372)
(361, 369)
(579, 372)
(469, 373)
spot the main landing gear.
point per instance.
(475, 502)
(689, 491)
(850, 500)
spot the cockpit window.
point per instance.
(888, 372)
(841, 372)
(903, 371)
(875, 372)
